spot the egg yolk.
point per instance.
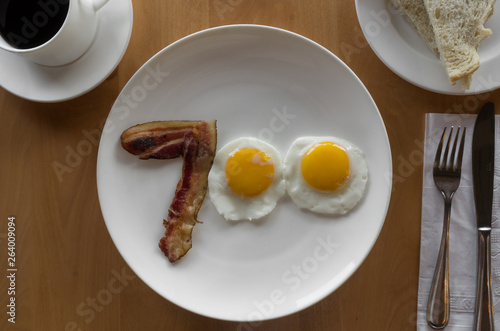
(249, 172)
(325, 166)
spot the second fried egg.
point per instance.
(325, 174)
(246, 180)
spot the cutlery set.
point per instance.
(447, 173)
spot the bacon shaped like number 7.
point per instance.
(196, 142)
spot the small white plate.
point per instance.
(255, 81)
(399, 46)
(53, 84)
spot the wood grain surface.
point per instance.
(70, 275)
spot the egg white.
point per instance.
(234, 207)
(339, 201)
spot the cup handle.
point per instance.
(99, 3)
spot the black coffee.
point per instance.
(30, 23)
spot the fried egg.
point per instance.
(246, 180)
(325, 174)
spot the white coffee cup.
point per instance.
(69, 43)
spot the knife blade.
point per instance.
(483, 155)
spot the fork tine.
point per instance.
(445, 164)
(438, 152)
(451, 164)
(461, 151)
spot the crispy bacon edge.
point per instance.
(196, 142)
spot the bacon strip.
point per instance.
(141, 137)
(168, 150)
(196, 142)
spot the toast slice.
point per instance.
(415, 13)
(458, 27)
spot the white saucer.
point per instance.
(52, 84)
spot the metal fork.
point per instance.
(447, 171)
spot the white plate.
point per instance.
(399, 46)
(53, 84)
(255, 81)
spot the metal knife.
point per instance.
(483, 155)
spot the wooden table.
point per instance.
(60, 276)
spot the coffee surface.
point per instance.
(30, 23)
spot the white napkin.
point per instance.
(463, 232)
